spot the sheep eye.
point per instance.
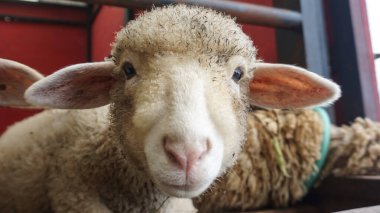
(129, 70)
(238, 74)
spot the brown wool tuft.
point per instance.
(257, 180)
(355, 149)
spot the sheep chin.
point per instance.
(182, 191)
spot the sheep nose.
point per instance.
(184, 154)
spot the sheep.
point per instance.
(150, 127)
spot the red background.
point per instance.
(48, 47)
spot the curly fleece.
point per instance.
(181, 29)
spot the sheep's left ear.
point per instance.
(15, 78)
(80, 86)
(285, 87)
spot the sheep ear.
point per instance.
(80, 86)
(15, 78)
(285, 87)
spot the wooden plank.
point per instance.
(354, 187)
(298, 209)
(342, 193)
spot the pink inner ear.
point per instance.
(81, 93)
(280, 88)
(79, 86)
(15, 78)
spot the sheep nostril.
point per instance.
(208, 146)
(171, 153)
(173, 158)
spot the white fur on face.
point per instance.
(194, 113)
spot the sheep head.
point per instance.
(180, 84)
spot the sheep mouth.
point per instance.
(182, 191)
(186, 187)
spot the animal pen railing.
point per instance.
(259, 15)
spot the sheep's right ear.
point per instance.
(281, 86)
(80, 86)
(15, 78)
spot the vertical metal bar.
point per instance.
(129, 15)
(315, 37)
(95, 12)
(89, 22)
(290, 43)
(315, 41)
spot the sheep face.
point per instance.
(185, 114)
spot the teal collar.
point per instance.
(324, 147)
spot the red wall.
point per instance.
(47, 47)
(109, 21)
(264, 38)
